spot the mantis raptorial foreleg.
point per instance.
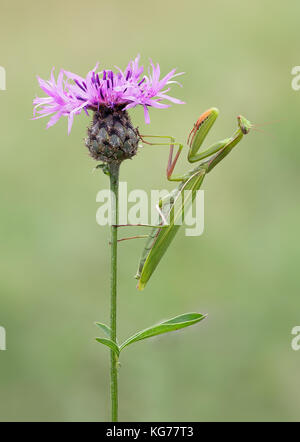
(195, 141)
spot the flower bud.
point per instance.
(111, 137)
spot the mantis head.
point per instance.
(244, 124)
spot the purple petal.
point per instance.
(71, 93)
(147, 116)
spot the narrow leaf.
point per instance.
(112, 345)
(176, 323)
(104, 328)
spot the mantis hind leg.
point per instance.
(163, 203)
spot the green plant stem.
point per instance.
(114, 186)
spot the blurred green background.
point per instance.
(243, 272)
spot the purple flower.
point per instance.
(71, 93)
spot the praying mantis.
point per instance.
(173, 205)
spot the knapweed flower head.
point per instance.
(71, 94)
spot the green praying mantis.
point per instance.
(173, 205)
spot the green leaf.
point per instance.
(176, 323)
(104, 328)
(109, 343)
